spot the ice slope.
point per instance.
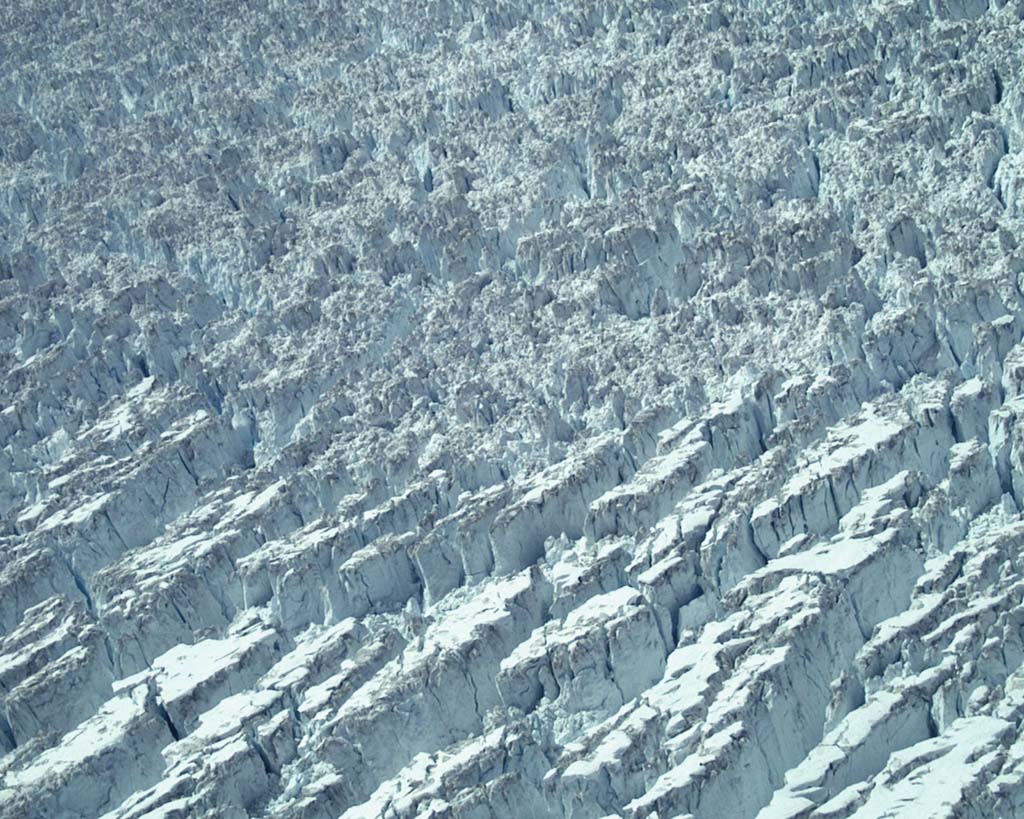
(516, 409)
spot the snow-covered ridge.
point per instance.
(524, 409)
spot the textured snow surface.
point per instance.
(511, 409)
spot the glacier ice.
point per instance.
(536, 409)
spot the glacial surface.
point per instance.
(474, 410)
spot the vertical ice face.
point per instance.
(480, 410)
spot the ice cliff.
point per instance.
(529, 408)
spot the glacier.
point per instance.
(537, 408)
